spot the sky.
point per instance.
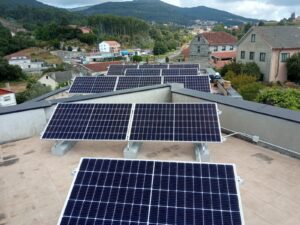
(258, 9)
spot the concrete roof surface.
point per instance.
(34, 183)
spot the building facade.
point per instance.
(7, 98)
(26, 64)
(109, 47)
(206, 43)
(269, 48)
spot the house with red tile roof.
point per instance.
(97, 68)
(109, 47)
(7, 98)
(220, 59)
(211, 42)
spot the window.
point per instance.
(262, 57)
(199, 49)
(284, 57)
(243, 54)
(6, 98)
(223, 48)
(253, 36)
(215, 48)
(47, 77)
(231, 47)
(199, 39)
(251, 55)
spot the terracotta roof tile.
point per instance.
(224, 55)
(218, 38)
(4, 92)
(101, 66)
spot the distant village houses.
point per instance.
(109, 47)
(53, 79)
(270, 47)
(7, 98)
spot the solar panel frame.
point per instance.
(181, 66)
(83, 86)
(185, 163)
(155, 66)
(198, 83)
(143, 72)
(135, 129)
(81, 137)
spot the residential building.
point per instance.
(220, 59)
(27, 64)
(109, 47)
(206, 43)
(86, 30)
(94, 69)
(55, 78)
(269, 47)
(7, 98)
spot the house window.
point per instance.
(199, 39)
(47, 77)
(285, 57)
(215, 48)
(253, 37)
(198, 49)
(6, 98)
(262, 57)
(243, 54)
(251, 55)
(223, 48)
(231, 47)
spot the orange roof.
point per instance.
(112, 42)
(221, 63)
(22, 53)
(219, 38)
(4, 92)
(101, 66)
(85, 30)
(186, 52)
(224, 55)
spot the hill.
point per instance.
(158, 11)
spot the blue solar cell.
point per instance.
(179, 122)
(104, 84)
(179, 66)
(143, 72)
(170, 72)
(119, 69)
(89, 122)
(82, 85)
(137, 81)
(156, 66)
(150, 195)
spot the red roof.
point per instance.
(112, 42)
(101, 66)
(219, 38)
(5, 92)
(85, 30)
(186, 52)
(224, 55)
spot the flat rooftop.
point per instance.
(34, 183)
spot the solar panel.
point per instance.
(198, 83)
(82, 85)
(109, 191)
(89, 122)
(142, 72)
(196, 66)
(176, 122)
(119, 70)
(196, 123)
(137, 81)
(93, 84)
(155, 66)
(188, 72)
(170, 72)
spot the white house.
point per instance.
(109, 47)
(7, 98)
(55, 78)
(26, 64)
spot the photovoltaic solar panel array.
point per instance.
(134, 82)
(177, 66)
(157, 66)
(108, 191)
(142, 72)
(119, 70)
(112, 83)
(93, 84)
(180, 72)
(198, 83)
(135, 122)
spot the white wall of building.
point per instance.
(104, 47)
(48, 81)
(26, 64)
(7, 100)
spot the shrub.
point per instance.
(238, 81)
(293, 68)
(250, 91)
(250, 69)
(35, 90)
(285, 98)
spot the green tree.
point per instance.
(238, 81)
(137, 58)
(159, 48)
(88, 38)
(70, 48)
(293, 68)
(35, 90)
(9, 72)
(285, 98)
(219, 27)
